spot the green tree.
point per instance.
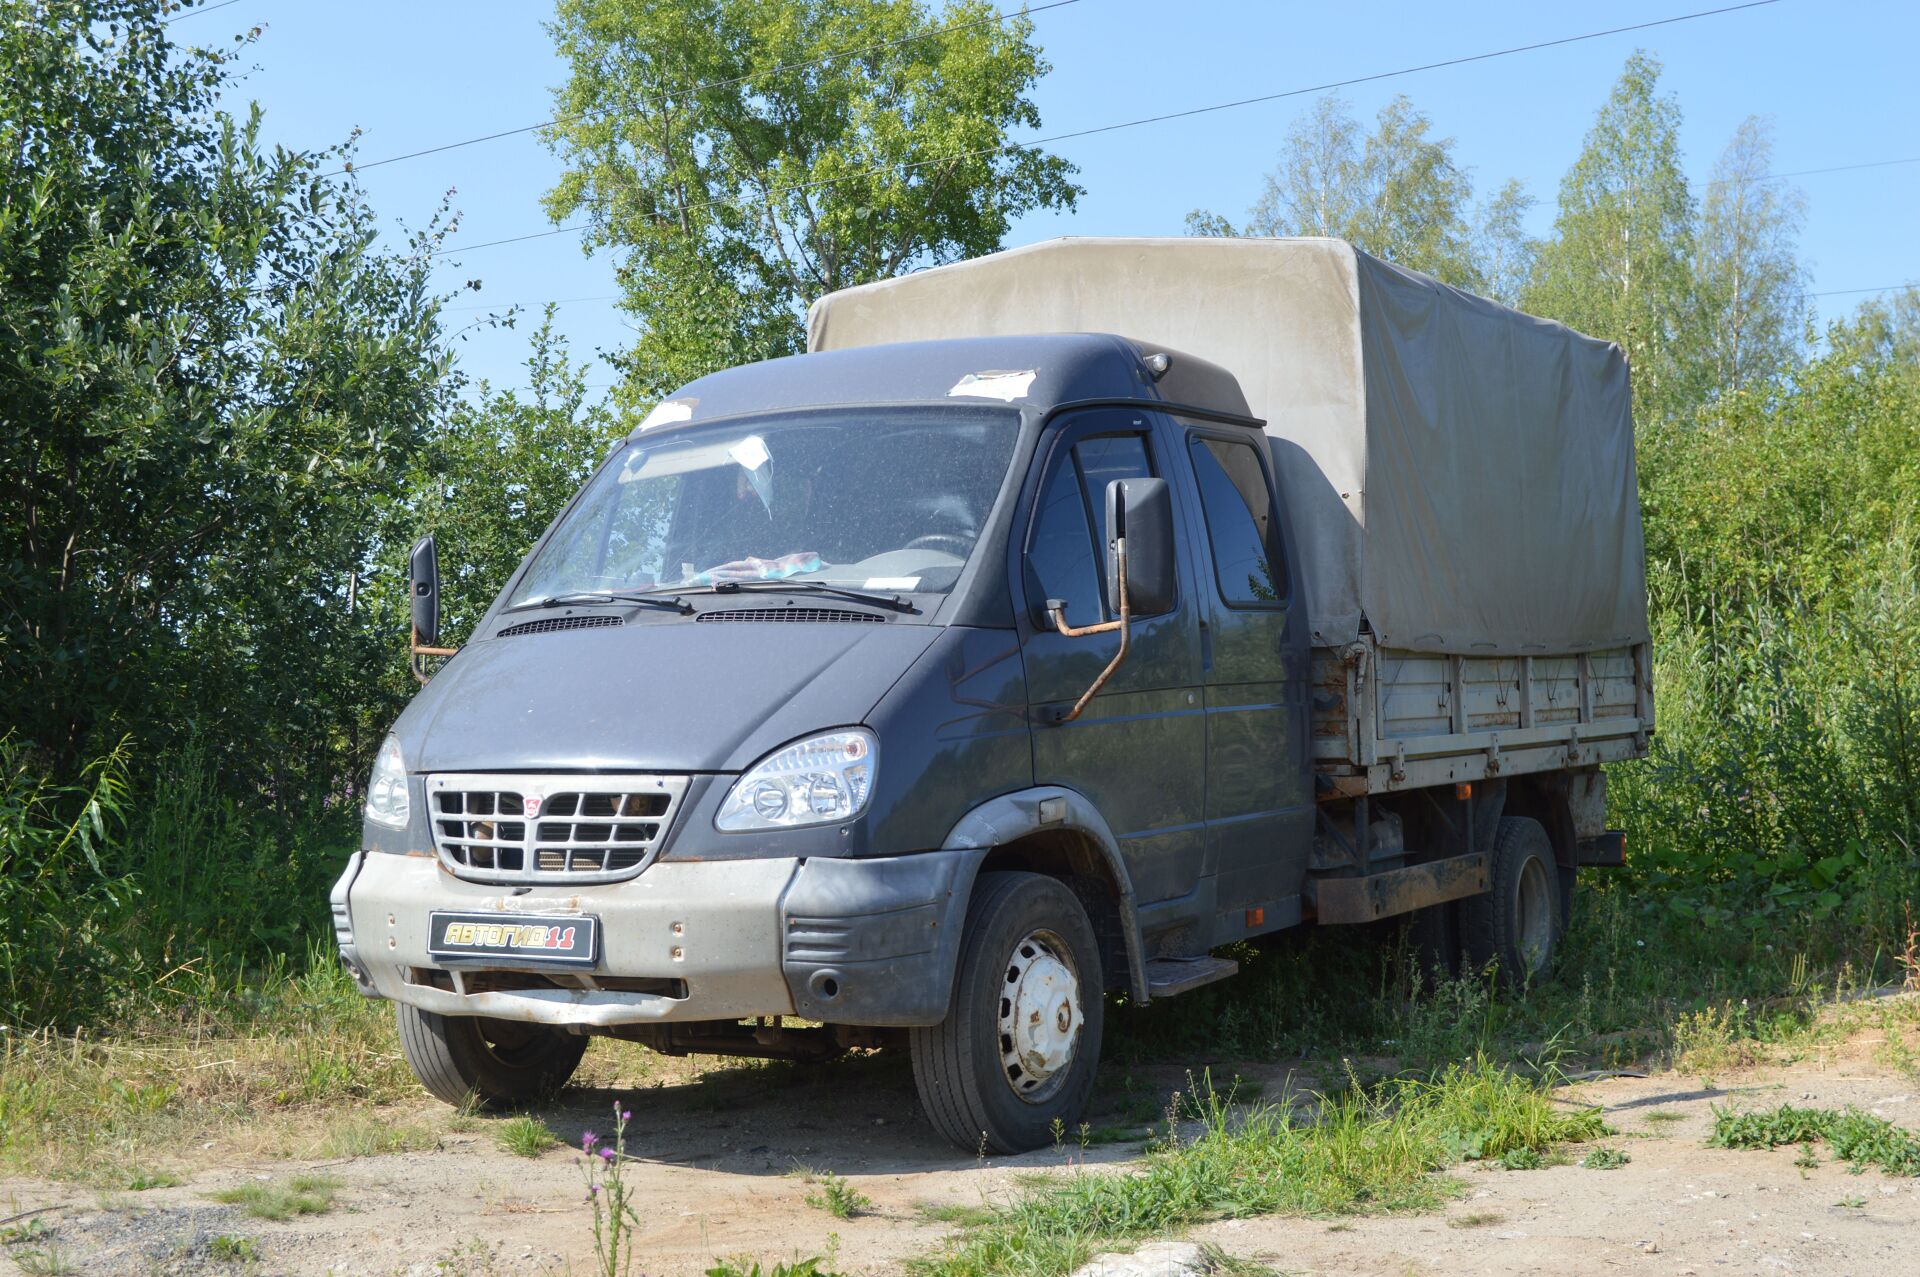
(751, 155)
(1752, 287)
(1619, 264)
(1396, 192)
(211, 387)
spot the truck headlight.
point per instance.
(817, 781)
(387, 802)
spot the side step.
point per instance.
(1168, 976)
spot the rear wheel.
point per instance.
(1518, 923)
(1018, 1049)
(497, 1062)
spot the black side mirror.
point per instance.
(424, 572)
(1141, 511)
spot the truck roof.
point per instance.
(1037, 373)
(1459, 476)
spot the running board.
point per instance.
(1169, 976)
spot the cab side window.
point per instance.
(1240, 522)
(1066, 549)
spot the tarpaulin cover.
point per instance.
(1458, 474)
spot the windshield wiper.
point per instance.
(893, 601)
(589, 598)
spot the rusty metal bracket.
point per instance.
(1382, 895)
(417, 654)
(1056, 610)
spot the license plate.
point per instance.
(572, 939)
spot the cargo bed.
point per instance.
(1385, 719)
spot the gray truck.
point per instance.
(1060, 618)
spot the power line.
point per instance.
(1849, 292)
(191, 13)
(705, 85)
(1035, 143)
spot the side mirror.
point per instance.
(1140, 511)
(424, 573)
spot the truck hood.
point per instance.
(671, 696)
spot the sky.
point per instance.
(1834, 76)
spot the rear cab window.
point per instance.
(1242, 525)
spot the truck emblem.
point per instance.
(530, 806)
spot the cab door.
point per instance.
(1138, 750)
(1254, 676)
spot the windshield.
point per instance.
(881, 500)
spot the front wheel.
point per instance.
(496, 1063)
(1015, 1057)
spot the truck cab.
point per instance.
(942, 693)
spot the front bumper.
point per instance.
(844, 941)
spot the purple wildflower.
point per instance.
(626, 1115)
(606, 1154)
(588, 1139)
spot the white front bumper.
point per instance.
(715, 925)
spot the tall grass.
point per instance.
(1361, 1150)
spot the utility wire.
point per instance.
(709, 84)
(1035, 143)
(1848, 292)
(196, 12)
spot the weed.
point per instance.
(232, 1248)
(1852, 1203)
(44, 1261)
(1363, 1150)
(614, 1218)
(955, 1213)
(525, 1136)
(1521, 1159)
(1475, 1219)
(364, 1135)
(741, 1266)
(300, 1195)
(139, 1181)
(1860, 1139)
(1664, 1117)
(837, 1197)
(1605, 1159)
(33, 1230)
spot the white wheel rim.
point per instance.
(1039, 1016)
(1533, 915)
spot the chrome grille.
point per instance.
(517, 828)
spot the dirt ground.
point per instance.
(719, 1165)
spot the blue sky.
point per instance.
(1834, 75)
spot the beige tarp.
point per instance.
(1458, 474)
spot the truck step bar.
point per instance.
(1169, 976)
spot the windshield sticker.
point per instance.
(1004, 386)
(892, 583)
(756, 569)
(751, 452)
(669, 411)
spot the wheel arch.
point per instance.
(1058, 832)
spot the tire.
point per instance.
(1028, 954)
(1517, 924)
(495, 1063)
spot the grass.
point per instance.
(1859, 1139)
(1663, 1117)
(230, 1248)
(1359, 1151)
(525, 1136)
(742, 1266)
(834, 1195)
(1476, 1219)
(299, 1195)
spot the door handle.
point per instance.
(1206, 648)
